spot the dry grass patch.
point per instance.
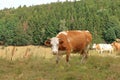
(18, 52)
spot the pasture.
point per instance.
(37, 63)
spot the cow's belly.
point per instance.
(106, 49)
(61, 52)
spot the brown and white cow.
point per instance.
(100, 48)
(116, 45)
(70, 41)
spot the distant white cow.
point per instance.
(103, 47)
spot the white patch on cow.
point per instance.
(68, 39)
(86, 31)
(79, 31)
(65, 33)
(70, 44)
(55, 42)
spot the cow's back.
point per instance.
(106, 46)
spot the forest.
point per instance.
(34, 24)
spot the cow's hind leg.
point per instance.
(84, 53)
(84, 56)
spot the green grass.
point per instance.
(36, 68)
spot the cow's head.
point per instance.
(54, 43)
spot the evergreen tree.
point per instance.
(109, 35)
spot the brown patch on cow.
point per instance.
(97, 46)
(116, 45)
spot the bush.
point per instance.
(117, 32)
(109, 35)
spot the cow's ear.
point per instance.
(47, 42)
(60, 41)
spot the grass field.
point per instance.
(36, 63)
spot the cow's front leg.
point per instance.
(57, 58)
(101, 51)
(67, 56)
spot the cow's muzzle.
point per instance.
(55, 52)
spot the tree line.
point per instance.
(35, 24)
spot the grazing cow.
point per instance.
(116, 45)
(103, 47)
(70, 41)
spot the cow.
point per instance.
(103, 47)
(116, 45)
(70, 41)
